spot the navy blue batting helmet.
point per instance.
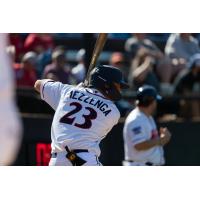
(146, 94)
(103, 77)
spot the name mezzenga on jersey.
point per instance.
(103, 107)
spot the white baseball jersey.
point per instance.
(139, 128)
(83, 116)
(10, 127)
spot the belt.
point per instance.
(54, 155)
(72, 156)
(146, 163)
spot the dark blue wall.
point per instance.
(183, 149)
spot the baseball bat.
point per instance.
(102, 37)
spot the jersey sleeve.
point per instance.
(113, 119)
(51, 92)
(136, 133)
(116, 116)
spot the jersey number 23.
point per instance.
(69, 119)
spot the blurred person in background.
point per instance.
(42, 44)
(187, 83)
(59, 70)
(142, 71)
(117, 60)
(38, 42)
(10, 125)
(162, 64)
(139, 40)
(25, 71)
(17, 41)
(79, 71)
(143, 143)
(43, 60)
(180, 47)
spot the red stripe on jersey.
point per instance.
(154, 134)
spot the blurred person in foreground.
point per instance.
(25, 71)
(59, 70)
(162, 64)
(10, 126)
(187, 83)
(79, 71)
(143, 144)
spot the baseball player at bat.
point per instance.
(83, 115)
(143, 144)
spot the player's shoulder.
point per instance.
(106, 102)
(135, 116)
(54, 84)
(133, 122)
(66, 88)
(116, 111)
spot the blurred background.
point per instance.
(168, 61)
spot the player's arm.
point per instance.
(148, 144)
(163, 139)
(139, 137)
(141, 72)
(50, 91)
(38, 84)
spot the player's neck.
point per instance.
(102, 93)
